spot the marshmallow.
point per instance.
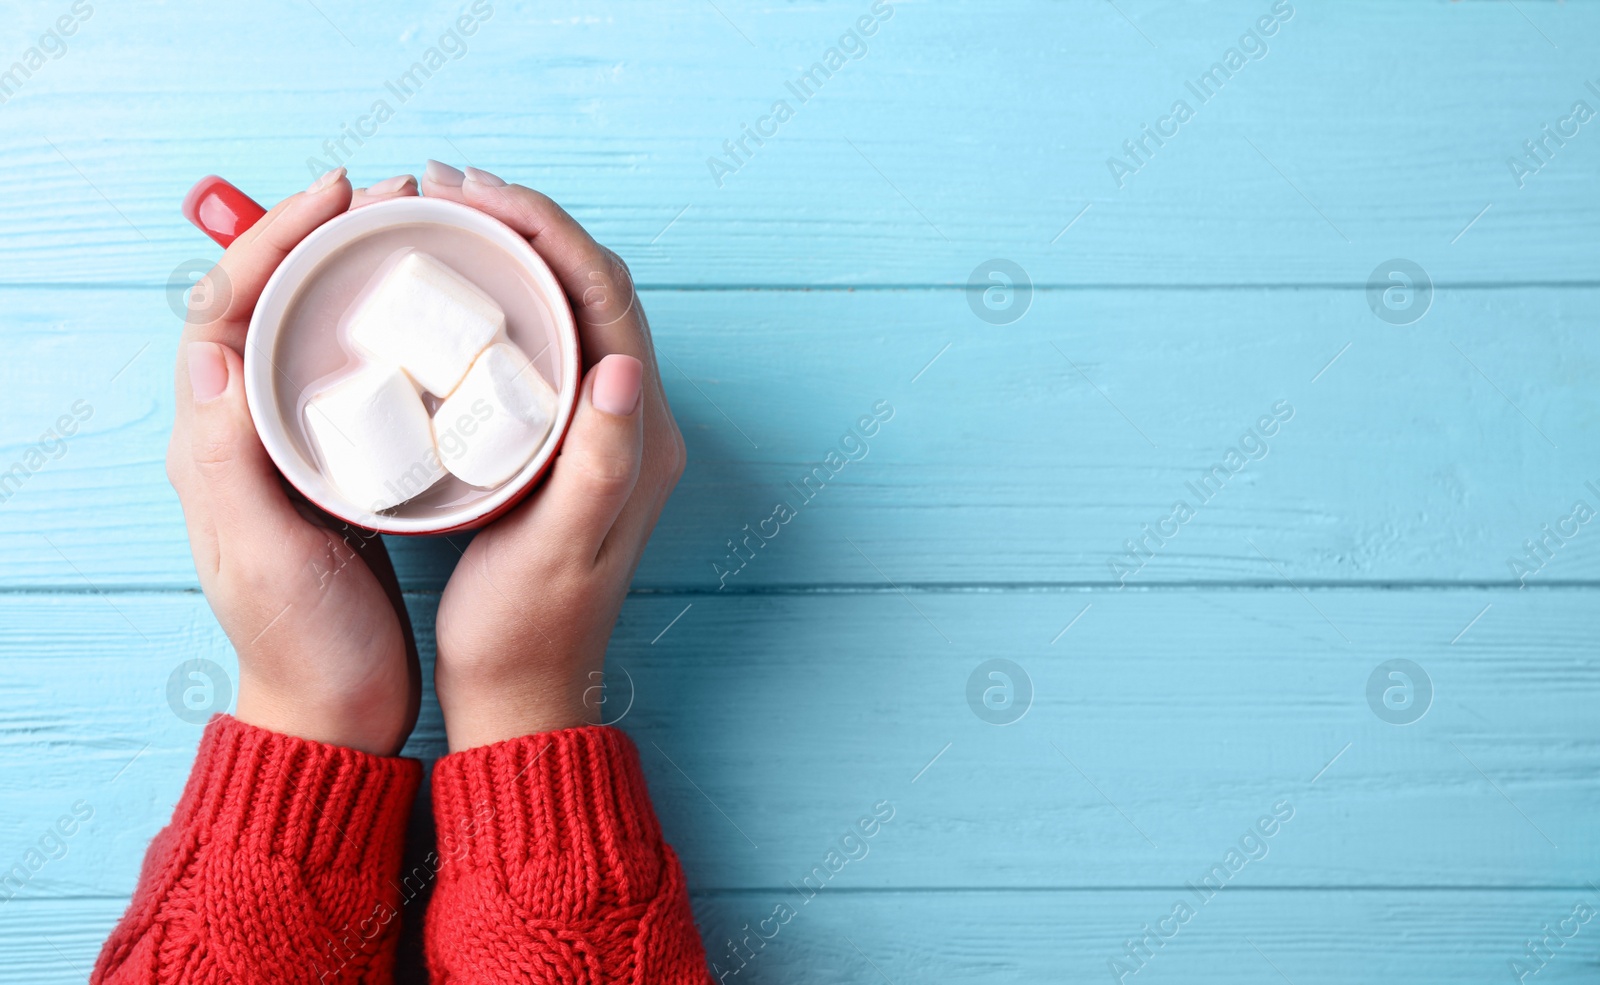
(428, 320)
(373, 434)
(496, 419)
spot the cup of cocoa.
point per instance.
(411, 367)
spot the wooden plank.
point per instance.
(910, 165)
(1015, 455)
(1161, 727)
(1266, 937)
(1242, 936)
(1165, 719)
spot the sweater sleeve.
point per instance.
(553, 869)
(278, 867)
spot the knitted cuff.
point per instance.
(326, 808)
(564, 809)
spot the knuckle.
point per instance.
(608, 472)
(533, 198)
(211, 298)
(617, 263)
(214, 453)
(175, 471)
(530, 207)
(603, 288)
(674, 459)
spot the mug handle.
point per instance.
(220, 210)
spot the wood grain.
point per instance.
(971, 129)
(990, 518)
(1162, 726)
(1018, 456)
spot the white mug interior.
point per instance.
(268, 408)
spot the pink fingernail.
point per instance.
(208, 371)
(485, 178)
(618, 382)
(441, 173)
(391, 185)
(327, 180)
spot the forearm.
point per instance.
(278, 867)
(553, 868)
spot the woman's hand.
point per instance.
(524, 621)
(312, 606)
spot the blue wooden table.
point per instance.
(1217, 602)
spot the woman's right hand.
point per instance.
(525, 618)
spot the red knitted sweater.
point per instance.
(281, 865)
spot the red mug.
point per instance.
(223, 212)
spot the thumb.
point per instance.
(599, 462)
(235, 476)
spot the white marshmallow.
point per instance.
(496, 419)
(373, 434)
(428, 320)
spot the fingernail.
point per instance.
(618, 381)
(208, 372)
(327, 180)
(484, 177)
(441, 173)
(391, 185)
